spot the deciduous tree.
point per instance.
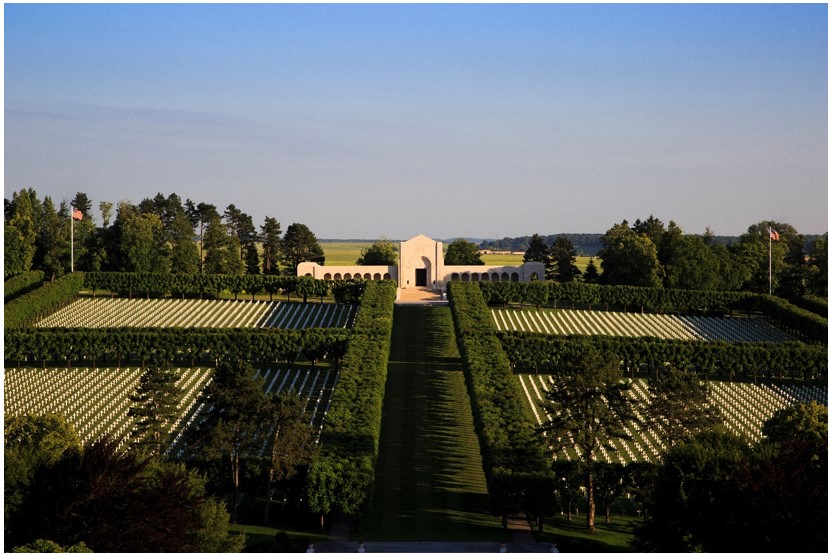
(628, 258)
(381, 252)
(463, 252)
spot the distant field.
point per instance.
(345, 253)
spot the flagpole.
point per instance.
(769, 260)
(71, 242)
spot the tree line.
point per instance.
(650, 254)
(159, 235)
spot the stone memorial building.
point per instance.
(422, 265)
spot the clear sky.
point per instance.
(449, 120)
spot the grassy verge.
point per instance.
(572, 536)
(429, 479)
(258, 536)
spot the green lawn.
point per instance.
(429, 479)
(572, 536)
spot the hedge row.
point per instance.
(163, 284)
(818, 306)
(117, 344)
(42, 301)
(807, 324)
(21, 284)
(660, 300)
(341, 475)
(791, 359)
(513, 456)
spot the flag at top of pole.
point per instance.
(772, 235)
(77, 215)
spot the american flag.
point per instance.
(774, 234)
(77, 215)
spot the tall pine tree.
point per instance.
(154, 408)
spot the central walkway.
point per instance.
(430, 493)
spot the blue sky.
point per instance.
(450, 120)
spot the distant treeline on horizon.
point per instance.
(589, 244)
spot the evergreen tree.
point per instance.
(591, 274)
(299, 244)
(270, 237)
(154, 408)
(292, 440)
(236, 413)
(200, 216)
(587, 403)
(679, 405)
(537, 251)
(563, 257)
(221, 249)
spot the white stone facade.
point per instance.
(422, 265)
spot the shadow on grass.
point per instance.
(429, 479)
(572, 536)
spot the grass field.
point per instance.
(345, 253)
(429, 479)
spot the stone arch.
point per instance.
(515, 277)
(475, 277)
(387, 276)
(495, 277)
(377, 276)
(504, 277)
(327, 276)
(465, 277)
(368, 276)
(485, 277)
(455, 276)
(534, 276)
(347, 276)
(337, 276)
(308, 274)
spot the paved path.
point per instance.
(420, 296)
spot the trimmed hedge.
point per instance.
(31, 344)
(42, 301)
(342, 473)
(818, 306)
(22, 284)
(163, 284)
(513, 455)
(793, 359)
(805, 323)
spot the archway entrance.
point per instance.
(421, 277)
